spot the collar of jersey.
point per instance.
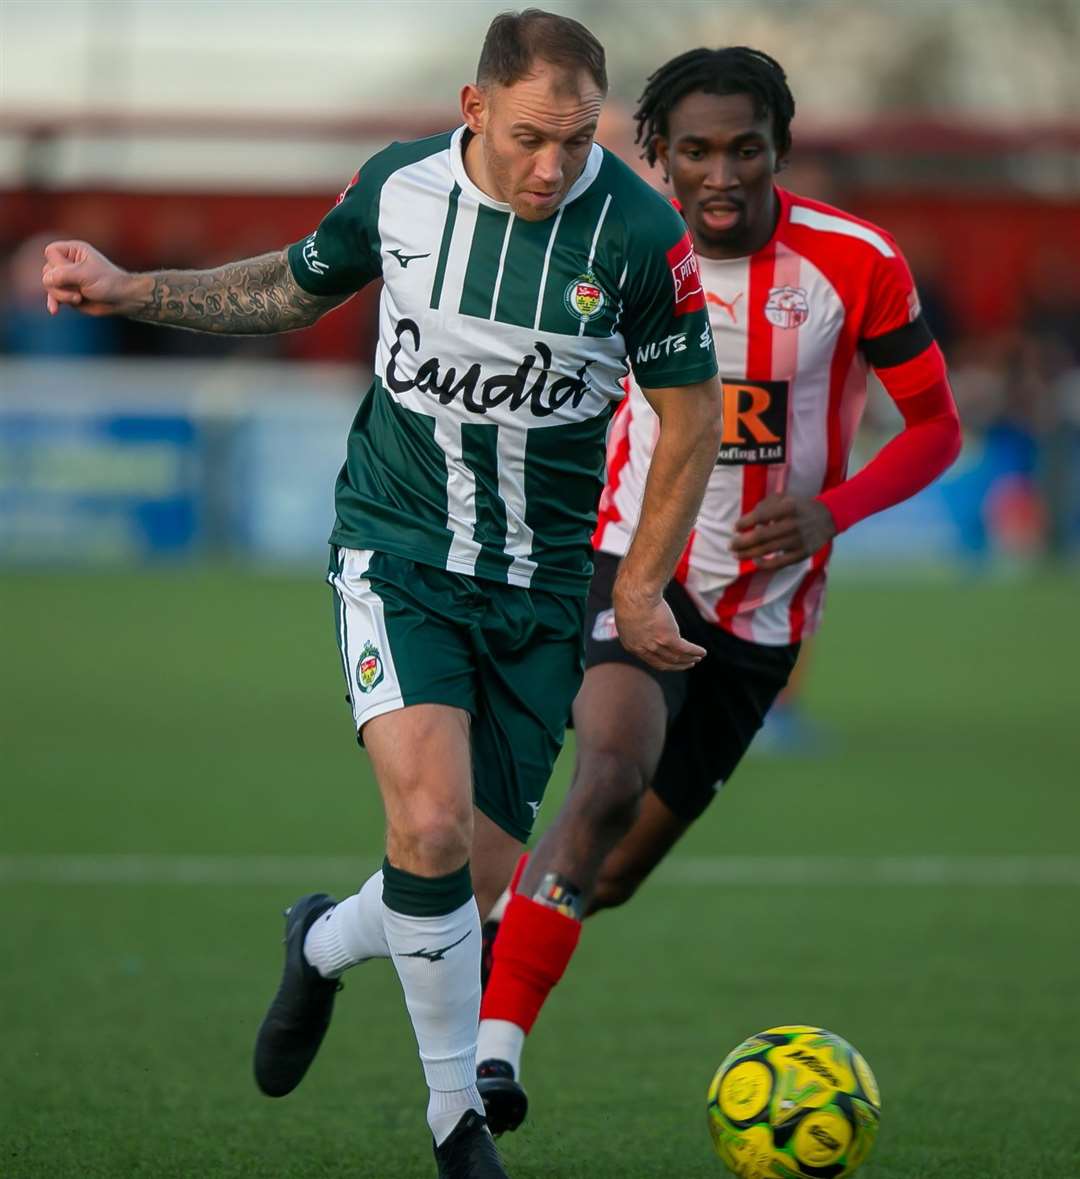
(457, 168)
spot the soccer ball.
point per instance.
(794, 1103)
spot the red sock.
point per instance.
(519, 871)
(534, 946)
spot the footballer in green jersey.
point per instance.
(525, 271)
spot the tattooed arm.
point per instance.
(252, 297)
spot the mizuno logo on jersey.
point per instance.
(405, 259)
(754, 422)
(527, 387)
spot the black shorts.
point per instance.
(714, 709)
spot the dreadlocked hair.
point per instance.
(735, 69)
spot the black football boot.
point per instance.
(294, 1026)
(469, 1152)
(505, 1102)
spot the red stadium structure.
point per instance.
(990, 217)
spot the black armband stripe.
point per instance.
(900, 345)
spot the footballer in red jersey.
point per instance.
(804, 300)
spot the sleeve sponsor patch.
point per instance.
(689, 295)
(345, 191)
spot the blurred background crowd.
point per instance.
(182, 133)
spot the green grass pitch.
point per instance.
(185, 714)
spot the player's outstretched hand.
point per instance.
(76, 274)
(783, 530)
(648, 629)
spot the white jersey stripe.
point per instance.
(785, 352)
(592, 248)
(519, 536)
(547, 264)
(787, 272)
(596, 235)
(827, 223)
(457, 259)
(460, 499)
(502, 266)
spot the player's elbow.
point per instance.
(954, 440)
(707, 430)
(948, 432)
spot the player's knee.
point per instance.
(609, 793)
(431, 840)
(613, 890)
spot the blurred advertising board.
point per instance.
(121, 462)
(125, 462)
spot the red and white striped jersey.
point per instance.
(788, 322)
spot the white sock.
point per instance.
(499, 1039)
(445, 1109)
(499, 908)
(438, 962)
(349, 933)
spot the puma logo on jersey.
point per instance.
(405, 259)
(715, 299)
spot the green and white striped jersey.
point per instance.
(502, 347)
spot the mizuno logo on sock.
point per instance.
(435, 955)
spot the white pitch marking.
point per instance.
(1019, 871)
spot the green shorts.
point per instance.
(511, 657)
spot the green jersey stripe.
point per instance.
(568, 266)
(547, 267)
(520, 277)
(489, 236)
(519, 536)
(592, 252)
(479, 452)
(444, 246)
(502, 265)
(460, 497)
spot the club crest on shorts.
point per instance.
(787, 307)
(369, 668)
(585, 298)
(603, 627)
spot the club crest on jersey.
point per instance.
(787, 307)
(369, 668)
(585, 297)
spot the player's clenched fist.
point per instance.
(80, 276)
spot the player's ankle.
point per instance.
(499, 1039)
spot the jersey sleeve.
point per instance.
(342, 255)
(665, 322)
(893, 330)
